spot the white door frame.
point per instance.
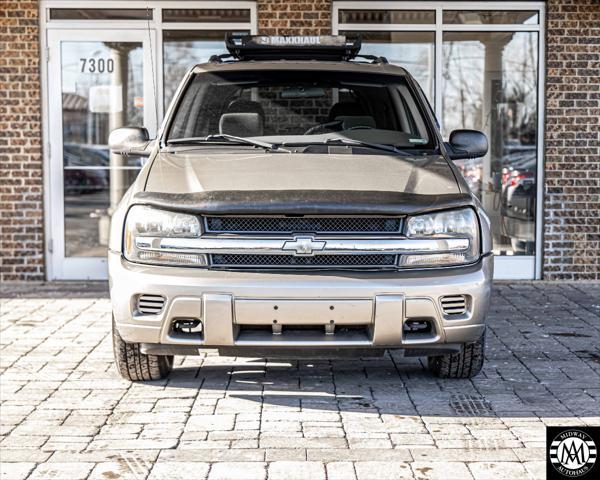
(59, 266)
(505, 267)
(152, 30)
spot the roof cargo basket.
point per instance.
(281, 47)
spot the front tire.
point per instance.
(465, 364)
(134, 365)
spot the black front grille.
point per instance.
(303, 224)
(282, 261)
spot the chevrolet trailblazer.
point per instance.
(299, 201)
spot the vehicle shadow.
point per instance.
(391, 385)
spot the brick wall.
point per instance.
(297, 17)
(572, 189)
(21, 208)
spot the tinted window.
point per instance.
(100, 14)
(215, 15)
(377, 17)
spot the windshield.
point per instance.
(300, 107)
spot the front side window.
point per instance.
(301, 106)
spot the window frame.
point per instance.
(506, 267)
(152, 32)
(154, 26)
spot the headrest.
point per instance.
(242, 124)
(345, 109)
(356, 121)
(245, 106)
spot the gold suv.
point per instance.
(299, 201)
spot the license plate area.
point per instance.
(303, 311)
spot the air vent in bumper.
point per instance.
(150, 304)
(454, 304)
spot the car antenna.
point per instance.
(152, 68)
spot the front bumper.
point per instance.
(237, 308)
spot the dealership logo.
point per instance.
(572, 453)
(304, 245)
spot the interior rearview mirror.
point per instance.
(467, 144)
(133, 141)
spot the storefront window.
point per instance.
(101, 75)
(102, 89)
(183, 49)
(411, 50)
(100, 14)
(485, 80)
(490, 17)
(214, 15)
(490, 84)
(377, 17)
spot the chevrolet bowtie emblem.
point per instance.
(304, 245)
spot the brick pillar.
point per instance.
(298, 17)
(21, 207)
(572, 168)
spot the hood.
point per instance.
(198, 172)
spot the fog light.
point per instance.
(187, 325)
(417, 326)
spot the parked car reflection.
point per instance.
(518, 197)
(86, 168)
(87, 187)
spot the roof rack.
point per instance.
(283, 47)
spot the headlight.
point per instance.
(145, 226)
(461, 223)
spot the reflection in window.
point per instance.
(102, 89)
(183, 49)
(411, 50)
(490, 17)
(490, 84)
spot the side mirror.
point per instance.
(130, 141)
(467, 144)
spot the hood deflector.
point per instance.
(302, 202)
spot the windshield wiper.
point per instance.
(227, 138)
(357, 143)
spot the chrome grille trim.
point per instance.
(304, 224)
(150, 304)
(454, 304)
(283, 246)
(292, 261)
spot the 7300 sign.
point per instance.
(97, 65)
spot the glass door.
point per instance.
(98, 80)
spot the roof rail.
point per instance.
(283, 47)
(220, 58)
(373, 58)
